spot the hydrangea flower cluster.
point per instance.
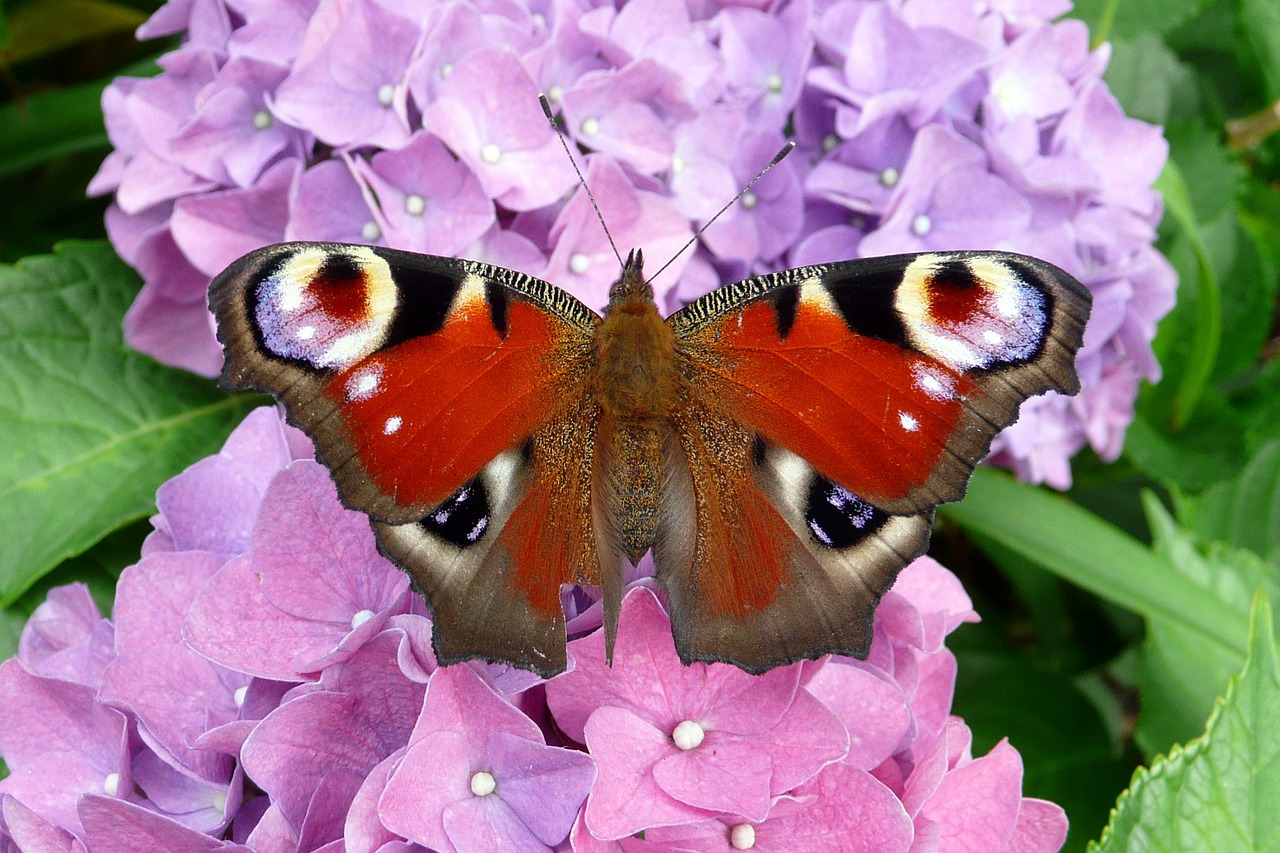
(921, 124)
(267, 684)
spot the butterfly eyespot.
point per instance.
(325, 309)
(971, 313)
(462, 520)
(838, 518)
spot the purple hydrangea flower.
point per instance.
(920, 124)
(267, 683)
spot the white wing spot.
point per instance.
(909, 423)
(993, 337)
(306, 333)
(392, 425)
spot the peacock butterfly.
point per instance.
(779, 444)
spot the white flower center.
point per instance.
(446, 70)
(921, 225)
(370, 231)
(483, 784)
(386, 94)
(414, 204)
(361, 617)
(555, 93)
(677, 164)
(238, 696)
(750, 200)
(220, 801)
(889, 177)
(688, 735)
(111, 784)
(590, 126)
(774, 82)
(579, 264)
(830, 141)
(262, 120)
(491, 154)
(742, 836)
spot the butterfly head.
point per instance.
(631, 288)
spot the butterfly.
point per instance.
(779, 444)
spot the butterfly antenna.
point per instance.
(777, 158)
(546, 108)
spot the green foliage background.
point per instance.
(1115, 617)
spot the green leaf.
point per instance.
(53, 124)
(43, 28)
(1082, 548)
(1179, 674)
(1149, 80)
(1206, 451)
(1245, 510)
(1206, 333)
(100, 426)
(1220, 791)
(1260, 27)
(1110, 19)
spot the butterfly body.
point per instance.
(779, 445)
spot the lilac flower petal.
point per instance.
(311, 590)
(217, 228)
(487, 823)
(314, 751)
(1042, 827)
(841, 809)
(59, 743)
(608, 112)
(33, 833)
(428, 201)
(347, 85)
(328, 204)
(115, 826)
(66, 637)
(872, 708)
(976, 806)
(212, 505)
(626, 798)
(543, 785)
(197, 802)
(170, 318)
(644, 656)
(434, 773)
(232, 137)
(364, 831)
(720, 775)
(175, 693)
(486, 111)
(765, 57)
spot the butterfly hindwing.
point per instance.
(828, 410)
(444, 395)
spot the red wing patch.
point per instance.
(866, 413)
(424, 416)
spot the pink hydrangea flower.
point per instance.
(266, 682)
(920, 125)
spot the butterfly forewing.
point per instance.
(438, 392)
(890, 375)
